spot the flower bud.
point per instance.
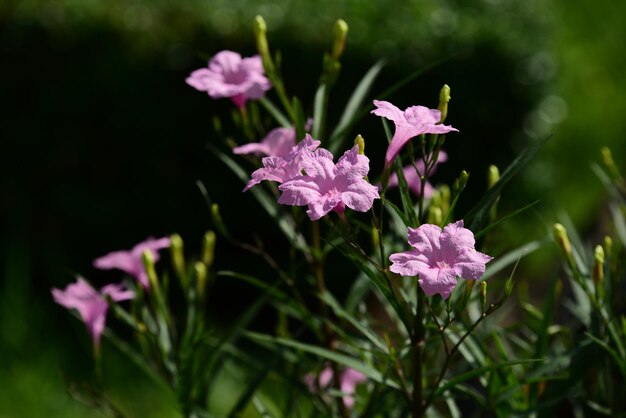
(444, 98)
(483, 295)
(148, 264)
(560, 234)
(361, 143)
(608, 246)
(435, 215)
(260, 33)
(444, 193)
(200, 271)
(208, 248)
(461, 182)
(216, 217)
(607, 159)
(493, 176)
(340, 32)
(598, 265)
(178, 258)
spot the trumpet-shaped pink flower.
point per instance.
(348, 381)
(130, 261)
(277, 143)
(327, 186)
(91, 304)
(413, 180)
(228, 75)
(281, 169)
(438, 257)
(411, 122)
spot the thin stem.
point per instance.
(417, 343)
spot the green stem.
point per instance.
(417, 407)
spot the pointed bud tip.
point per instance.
(360, 142)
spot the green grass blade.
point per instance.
(512, 256)
(480, 212)
(276, 114)
(339, 358)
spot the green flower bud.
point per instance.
(493, 176)
(200, 271)
(208, 248)
(178, 258)
(461, 182)
(483, 296)
(608, 246)
(340, 32)
(361, 143)
(560, 234)
(260, 33)
(598, 265)
(444, 98)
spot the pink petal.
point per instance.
(401, 136)
(387, 110)
(360, 196)
(408, 263)
(421, 115)
(438, 280)
(425, 239)
(121, 260)
(298, 192)
(352, 163)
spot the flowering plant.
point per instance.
(408, 338)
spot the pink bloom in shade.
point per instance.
(327, 186)
(411, 122)
(281, 169)
(413, 180)
(91, 304)
(347, 383)
(277, 143)
(438, 257)
(228, 75)
(130, 261)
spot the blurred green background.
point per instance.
(103, 141)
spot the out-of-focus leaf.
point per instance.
(284, 221)
(339, 358)
(319, 114)
(479, 213)
(329, 299)
(621, 363)
(511, 257)
(620, 223)
(350, 115)
(276, 114)
(503, 219)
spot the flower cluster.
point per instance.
(90, 303)
(439, 256)
(309, 177)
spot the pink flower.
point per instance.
(281, 169)
(347, 383)
(228, 75)
(327, 186)
(413, 180)
(439, 257)
(91, 304)
(130, 261)
(411, 122)
(277, 143)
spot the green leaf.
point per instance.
(398, 212)
(503, 219)
(350, 114)
(479, 213)
(276, 114)
(511, 257)
(333, 356)
(330, 300)
(284, 220)
(479, 372)
(620, 224)
(319, 110)
(614, 354)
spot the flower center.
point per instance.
(442, 265)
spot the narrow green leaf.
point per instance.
(276, 114)
(511, 257)
(398, 212)
(503, 219)
(480, 212)
(479, 372)
(330, 300)
(620, 224)
(319, 111)
(614, 354)
(334, 356)
(284, 220)
(350, 113)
